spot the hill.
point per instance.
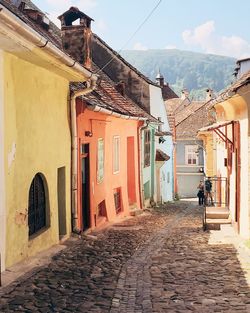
(184, 69)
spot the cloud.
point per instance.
(170, 47)
(205, 37)
(139, 46)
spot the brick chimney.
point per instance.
(76, 38)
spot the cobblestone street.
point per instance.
(161, 261)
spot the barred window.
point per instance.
(37, 205)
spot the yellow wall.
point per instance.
(37, 140)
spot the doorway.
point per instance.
(131, 171)
(85, 187)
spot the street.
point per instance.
(161, 261)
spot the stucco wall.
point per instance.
(37, 140)
(2, 170)
(188, 176)
(157, 108)
(106, 127)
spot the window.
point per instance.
(117, 200)
(191, 155)
(116, 154)
(37, 205)
(147, 148)
(100, 160)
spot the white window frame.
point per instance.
(100, 160)
(116, 154)
(191, 150)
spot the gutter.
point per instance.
(74, 150)
(19, 27)
(140, 167)
(97, 108)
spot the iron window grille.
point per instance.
(37, 205)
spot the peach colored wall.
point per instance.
(106, 127)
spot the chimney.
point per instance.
(184, 94)
(76, 38)
(209, 94)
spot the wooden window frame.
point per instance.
(193, 153)
(100, 161)
(116, 154)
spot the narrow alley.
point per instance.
(161, 261)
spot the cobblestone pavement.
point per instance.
(159, 262)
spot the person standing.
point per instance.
(208, 191)
(200, 193)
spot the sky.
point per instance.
(216, 26)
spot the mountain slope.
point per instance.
(184, 69)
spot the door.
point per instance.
(85, 187)
(131, 171)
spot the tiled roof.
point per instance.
(124, 61)
(187, 111)
(53, 34)
(168, 93)
(189, 126)
(106, 96)
(231, 90)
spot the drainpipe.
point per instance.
(140, 167)
(74, 149)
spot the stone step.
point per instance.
(215, 224)
(217, 213)
(135, 212)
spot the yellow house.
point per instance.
(35, 135)
(231, 148)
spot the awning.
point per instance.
(216, 127)
(161, 156)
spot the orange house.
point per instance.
(108, 127)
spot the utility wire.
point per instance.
(133, 35)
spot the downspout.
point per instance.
(74, 150)
(140, 167)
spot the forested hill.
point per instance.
(184, 69)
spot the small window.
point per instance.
(37, 205)
(147, 148)
(191, 155)
(100, 160)
(118, 200)
(116, 154)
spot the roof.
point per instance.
(189, 126)
(105, 95)
(161, 156)
(53, 34)
(231, 90)
(115, 53)
(187, 111)
(168, 93)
